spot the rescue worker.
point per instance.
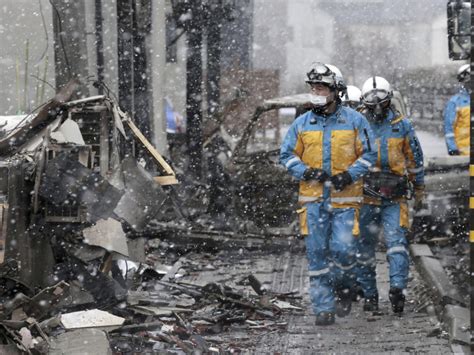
(328, 149)
(352, 97)
(457, 116)
(400, 160)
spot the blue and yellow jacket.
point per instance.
(399, 151)
(457, 115)
(339, 142)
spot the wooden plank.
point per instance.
(166, 180)
(149, 146)
(107, 263)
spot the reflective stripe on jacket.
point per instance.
(339, 142)
(457, 116)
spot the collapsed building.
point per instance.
(71, 166)
(80, 187)
(69, 182)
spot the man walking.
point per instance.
(328, 149)
(400, 160)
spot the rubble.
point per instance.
(167, 314)
(78, 272)
(107, 234)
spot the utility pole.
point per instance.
(70, 44)
(99, 39)
(125, 53)
(215, 19)
(134, 25)
(194, 88)
(141, 74)
(218, 13)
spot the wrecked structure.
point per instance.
(72, 165)
(80, 186)
(69, 182)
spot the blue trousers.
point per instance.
(331, 252)
(393, 219)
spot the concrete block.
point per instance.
(437, 279)
(136, 249)
(420, 250)
(80, 342)
(457, 320)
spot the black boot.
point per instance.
(343, 302)
(325, 318)
(358, 293)
(397, 298)
(371, 304)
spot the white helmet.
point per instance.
(320, 73)
(376, 90)
(464, 73)
(352, 95)
(340, 84)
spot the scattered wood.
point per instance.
(159, 311)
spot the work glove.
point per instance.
(315, 174)
(453, 152)
(419, 192)
(340, 181)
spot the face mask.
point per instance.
(318, 100)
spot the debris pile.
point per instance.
(145, 308)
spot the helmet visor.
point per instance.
(375, 97)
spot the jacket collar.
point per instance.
(394, 116)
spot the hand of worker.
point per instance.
(340, 181)
(419, 192)
(453, 152)
(315, 174)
